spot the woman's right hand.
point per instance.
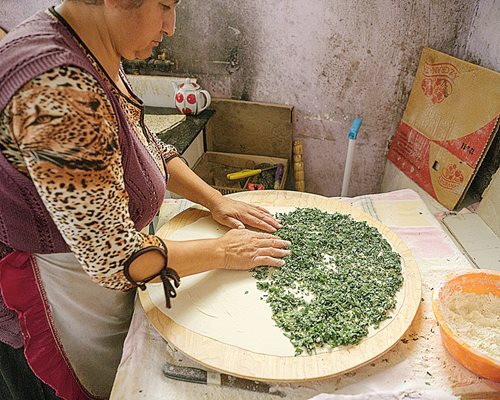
(245, 249)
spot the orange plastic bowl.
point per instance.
(477, 282)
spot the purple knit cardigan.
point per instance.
(35, 46)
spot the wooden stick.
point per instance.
(298, 166)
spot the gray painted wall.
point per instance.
(483, 46)
(330, 59)
(483, 41)
(14, 11)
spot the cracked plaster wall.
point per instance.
(331, 60)
(14, 11)
(483, 47)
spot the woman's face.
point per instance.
(138, 30)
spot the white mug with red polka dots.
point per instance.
(190, 99)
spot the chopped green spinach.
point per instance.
(341, 278)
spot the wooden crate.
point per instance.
(242, 135)
(213, 167)
(246, 127)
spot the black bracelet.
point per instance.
(165, 273)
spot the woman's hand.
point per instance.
(238, 214)
(244, 249)
(226, 211)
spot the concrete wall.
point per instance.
(330, 59)
(483, 41)
(483, 47)
(14, 11)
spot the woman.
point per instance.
(81, 176)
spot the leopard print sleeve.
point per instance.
(62, 132)
(168, 151)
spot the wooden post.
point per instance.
(298, 166)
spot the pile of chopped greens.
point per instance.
(341, 278)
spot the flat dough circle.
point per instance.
(219, 320)
(226, 305)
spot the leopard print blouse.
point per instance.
(63, 118)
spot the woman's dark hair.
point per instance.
(127, 3)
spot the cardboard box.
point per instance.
(214, 166)
(449, 122)
(242, 135)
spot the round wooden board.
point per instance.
(246, 364)
(2, 33)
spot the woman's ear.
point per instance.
(112, 3)
(123, 4)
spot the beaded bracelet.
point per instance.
(166, 274)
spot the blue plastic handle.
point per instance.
(353, 132)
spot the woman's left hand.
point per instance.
(238, 214)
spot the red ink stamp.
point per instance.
(438, 81)
(451, 177)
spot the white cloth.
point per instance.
(405, 395)
(418, 365)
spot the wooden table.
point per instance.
(418, 365)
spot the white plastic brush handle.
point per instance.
(348, 166)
